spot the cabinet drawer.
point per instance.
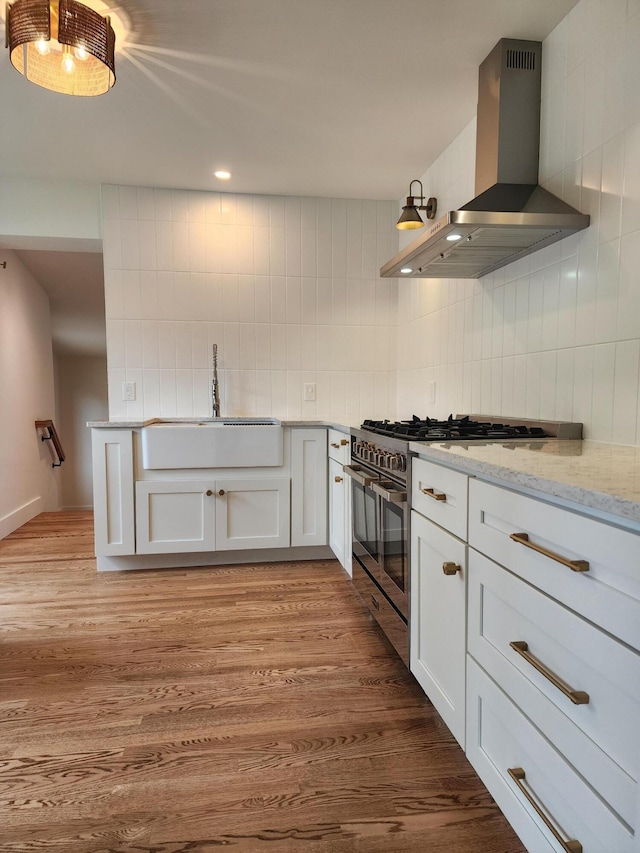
(607, 593)
(339, 446)
(599, 735)
(441, 495)
(500, 738)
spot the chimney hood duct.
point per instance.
(511, 216)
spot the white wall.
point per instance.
(556, 335)
(28, 484)
(287, 287)
(81, 396)
(50, 215)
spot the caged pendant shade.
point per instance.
(61, 45)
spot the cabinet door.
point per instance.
(438, 636)
(175, 516)
(113, 492)
(308, 487)
(252, 513)
(337, 526)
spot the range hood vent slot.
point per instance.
(522, 59)
(511, 215)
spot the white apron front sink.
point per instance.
(217, 443)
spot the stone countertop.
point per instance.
(139, 424)
(602, 477)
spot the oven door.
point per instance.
(364, 504)
(393, 532)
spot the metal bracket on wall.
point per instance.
(3, 264)
(52, 437)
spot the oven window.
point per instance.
(394, 557)
(364, 518)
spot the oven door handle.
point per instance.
(358, 475)
(392, 496)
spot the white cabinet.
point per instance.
(207, 515)
(553, 668)
(308, 486)
(437, 647)
(175, 516)
(113, 511)
(337, 510)
(252, 513)
(438, 631)
(339, 498)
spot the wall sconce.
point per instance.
(61, 45)
(410, 218)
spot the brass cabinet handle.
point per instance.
(437, 497)
(334, 444)
(451, 568)
(578, 697)
(518, 776)
(208, 493)
(337, 479)
(221, 493)
(344, 442)
(574, 565)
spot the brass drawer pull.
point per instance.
(337, 479)
(518, 776)
(208, 493)
(451, 568)
(221, 493)
(344, 442)
(334, 444)
(574, 565)
(578, 697)
(437, 497)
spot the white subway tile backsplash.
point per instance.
(131, 296)
(603, 387)
(625, 388)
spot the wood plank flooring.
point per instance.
(254, 708)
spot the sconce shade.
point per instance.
(63, 46)
(409, 218)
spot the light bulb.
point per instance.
(80, 52)
(42, 46)
(68, 64)
(406, 270)
(222, 175)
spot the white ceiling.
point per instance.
(337, 98)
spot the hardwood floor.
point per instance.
(249, 707)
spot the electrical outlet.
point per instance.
(128, 392)
(431, 392)
(309, 391)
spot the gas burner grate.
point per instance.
(451, 429)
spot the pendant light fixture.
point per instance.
(61, 45)
(410, 218)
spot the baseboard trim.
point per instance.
(211, 558)
(20, 516)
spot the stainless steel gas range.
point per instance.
(380, 471)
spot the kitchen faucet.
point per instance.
(215, 385)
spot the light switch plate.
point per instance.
(128, 392)
(309, 391)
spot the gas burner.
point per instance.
(470, 428)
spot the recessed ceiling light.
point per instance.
(222, 175)
(454, 237)
(406, 270)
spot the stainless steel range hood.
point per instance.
(511, 216)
